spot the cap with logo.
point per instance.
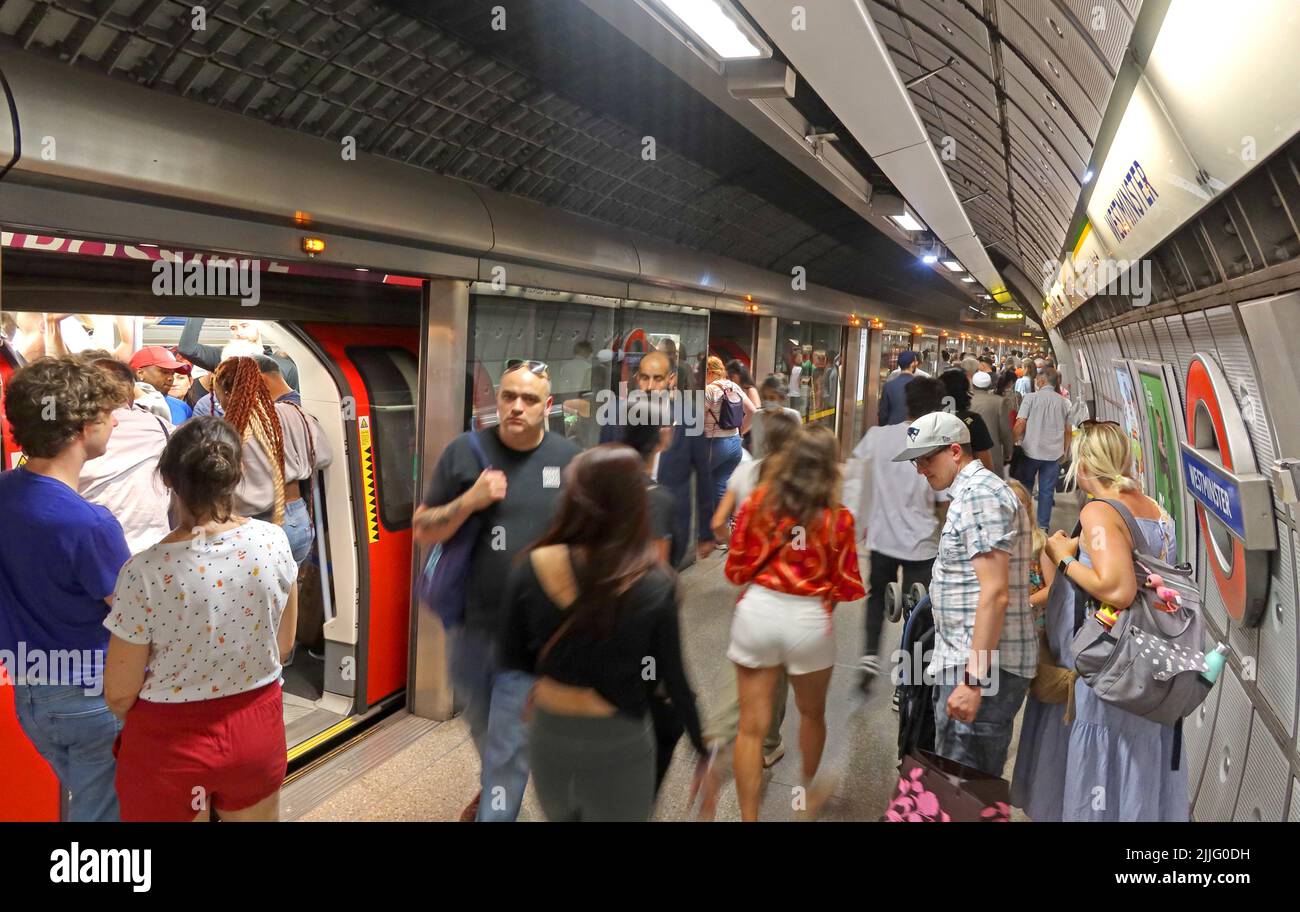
(933, 432)
(156, 356)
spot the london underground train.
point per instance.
(401, 295)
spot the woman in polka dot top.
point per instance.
(200, 622)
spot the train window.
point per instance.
(811, 354)
(390, 376)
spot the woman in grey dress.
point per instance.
(1106, 764)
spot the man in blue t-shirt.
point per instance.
(59, 560)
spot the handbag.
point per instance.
(442, 582)
(934, 789)
(1149, 662)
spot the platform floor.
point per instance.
(436, 774)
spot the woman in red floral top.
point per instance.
(795, 544)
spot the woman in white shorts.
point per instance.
(794, 545)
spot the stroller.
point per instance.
(915, 693)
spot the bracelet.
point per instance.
(1064, 565)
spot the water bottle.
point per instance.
(1214, 663)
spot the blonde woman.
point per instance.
(727, 413)
(1106, 764)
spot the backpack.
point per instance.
(1150, 661)
(442, 582)
(730, 415)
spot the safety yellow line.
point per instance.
(817, 416)
(313, 742)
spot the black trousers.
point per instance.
(884, 570)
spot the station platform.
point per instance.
(413, 769)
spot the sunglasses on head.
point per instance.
(539, 368)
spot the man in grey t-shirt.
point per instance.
(1043, 431)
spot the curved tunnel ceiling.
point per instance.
(552, 108)
(1027, 96)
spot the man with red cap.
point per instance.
(155, 367)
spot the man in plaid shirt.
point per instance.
(985, 648)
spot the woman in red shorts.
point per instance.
(200, 622)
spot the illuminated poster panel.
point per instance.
(1162, 413)
(1133, 424)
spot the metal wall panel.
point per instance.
(1183, 351)
(1228, 749)
(1160, 328)
(1264, 783)
(1149, 337)
(1234, 358)
(1277, 636)
(1213, 602)
(1198, 729)
(1243, 640)
(1117, 26)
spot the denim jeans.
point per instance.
(724, 456)
(493, 700)
(74, 732)
(1047, 471)
(298, 526)
(983, 743)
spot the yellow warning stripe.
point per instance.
(368, 479)
(817, 416)
(317, 740)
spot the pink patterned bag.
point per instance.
(934, 789)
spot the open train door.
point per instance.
(31, 790)
(376, 370)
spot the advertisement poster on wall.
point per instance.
(1162, 412)
(1133, 423)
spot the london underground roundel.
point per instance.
(1234, 503)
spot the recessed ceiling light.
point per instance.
(952, 266)
(1087, 175)
(714, 23)
(907, 223)
(967, 279)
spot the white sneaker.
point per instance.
(772, 759)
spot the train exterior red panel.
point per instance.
(389, 557)
(31, 790)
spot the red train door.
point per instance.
(376, 368)
(31, 790)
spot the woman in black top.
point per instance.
(594, 616)
(981, 441)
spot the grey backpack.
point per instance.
(1150, 662)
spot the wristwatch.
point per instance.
(1064, 564)
(969, 679)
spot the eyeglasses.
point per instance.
(916, 459)
(539, 368)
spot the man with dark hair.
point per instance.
(59, 560)
(893, 407)
(901, 516)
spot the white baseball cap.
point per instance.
(933, 432)
(982, 380)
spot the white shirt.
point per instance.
(209, 611)
(896, 371)
(125, 479)
(900, 515)
(743, 480)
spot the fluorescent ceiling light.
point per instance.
(952, 266)
(1087, 176)
(967, 279)
(930, 258)
(713, 23)
(907, 223)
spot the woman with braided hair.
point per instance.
(251, 411)
(284, 447)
